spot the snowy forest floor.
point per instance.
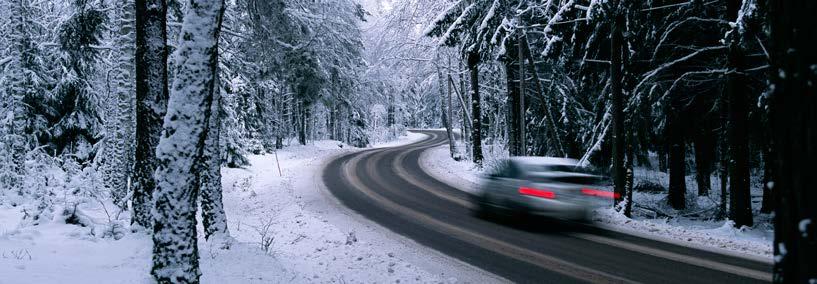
(652, 217)
(286, 228)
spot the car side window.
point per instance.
(511, 170)
(499, 170)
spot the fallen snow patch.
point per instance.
(286, 227)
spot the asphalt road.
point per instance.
(389, 187)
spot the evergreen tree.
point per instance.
(23, 83)
(473, 25)
(76, 124)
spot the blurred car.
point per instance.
(541, 186)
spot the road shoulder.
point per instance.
(317, 239)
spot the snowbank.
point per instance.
(689, 228)
(408, 138)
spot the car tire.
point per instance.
(481, 209)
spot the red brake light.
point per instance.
(600, 193)
(537, 192)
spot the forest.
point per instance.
(138, 104)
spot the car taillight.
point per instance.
(537, 192)
(600, 193)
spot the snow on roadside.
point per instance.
(438, 163)
(720, 235)
(755, 242)
(286, 229)
(409, 138)
(305, 241)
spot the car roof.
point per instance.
(552, 161)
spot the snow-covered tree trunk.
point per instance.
(332, 122)
(519, 103)
(212, 209)
(182, 146)
(617, 107)
(119, 133)
(17, 84)
(476, 114)
(769, 194)
(793, 118)
(445, 107)
(514, 76)
(151, 102)
(12, 146)
(629, 176)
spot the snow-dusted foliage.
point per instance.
(675, 89)
(75, 121)
(24, 84)
(557, 88)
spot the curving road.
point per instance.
(389, 187)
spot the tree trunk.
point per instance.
(724, 176)
(212, 208)
(629, 176)
(467, 123)
(723, 155)
(704, 156)
(182, 146)
(794, 122)
(740, 209)
(677, 163)
(445, 108)
(303, 122)
(662, 150)
(617, 97)
(390, 118)
(332, 124)
(519, 104)
(767, 205)
(16, 138)
(515, 89)
(554, 146)
(151, 102)
(119, 137)
(476, 114)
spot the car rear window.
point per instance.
(584, 180)
(563, 174)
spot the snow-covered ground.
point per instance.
(651, 217)
(287, 228)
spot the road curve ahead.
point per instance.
(388, 186)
